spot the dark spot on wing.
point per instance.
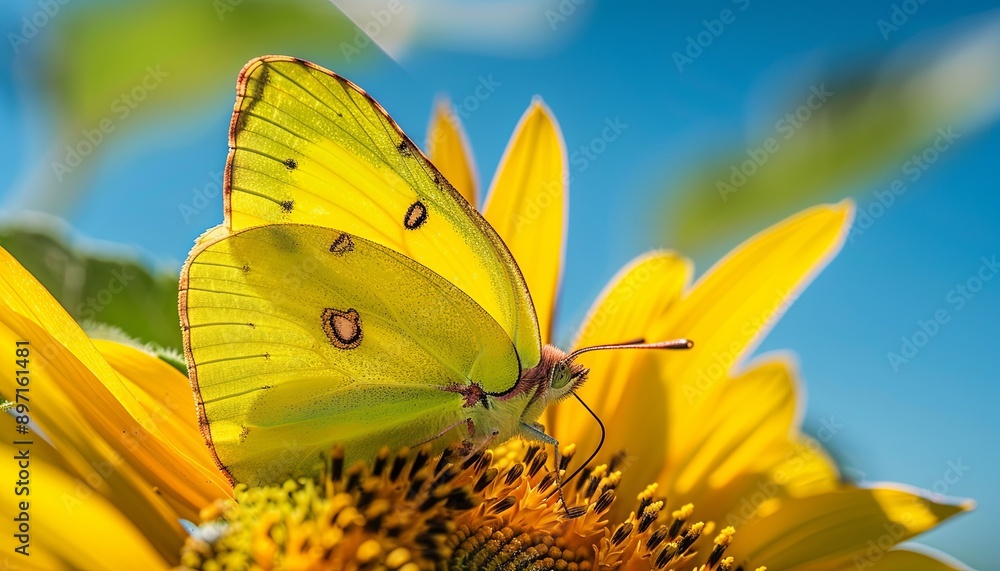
(404, 149)
(287, 205)
(290, 164)
(416, 215)
(342, 328)
(342, 244)
(254, 93)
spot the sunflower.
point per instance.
(112, 460)
(705, 465)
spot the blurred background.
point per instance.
(730, 115)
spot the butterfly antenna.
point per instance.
(600, 443)
(637, 344)
(586, 462)
(559, 485)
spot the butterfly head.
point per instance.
(554, 378)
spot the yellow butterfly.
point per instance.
(352, 296)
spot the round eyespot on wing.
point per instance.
(342, 328)
(416, 216)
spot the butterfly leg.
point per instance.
(535, 431)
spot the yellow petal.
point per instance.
(71, 525)
(527, 206)
(89, 428)
(736, 454)
(785, 470)
(835, 529)
(165, 395)
(907, 560)
(745, 419)
(25, 296)
(735, 303)
(618, 390)
(805, 468)
(100, 429)
(449, 150)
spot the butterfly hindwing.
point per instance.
(307, 146)
(300, 337)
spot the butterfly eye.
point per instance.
(560, 375)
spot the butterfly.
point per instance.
(352, 297)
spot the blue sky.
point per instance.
(613, 60)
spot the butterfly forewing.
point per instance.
(308, 146)
(302, 337)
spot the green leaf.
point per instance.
(115, 67)
(860, 129)
(199, 44)
(94, 286)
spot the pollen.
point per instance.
(504, 508)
